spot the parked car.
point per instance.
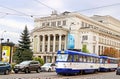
(5, 68)
(48, 67)
(27, 67)
(118, 71)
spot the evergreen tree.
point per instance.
(24, 43)
(23, 52)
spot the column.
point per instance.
(53, 59)
(33, 46)
(48, 47)
(54, 42)
(100, 49)
(38, 44)
(43, 44)
(60, 42)
(65, 45)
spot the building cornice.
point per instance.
(99, 32)
(48, 29)
(93, 21)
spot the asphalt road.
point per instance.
(53, 75)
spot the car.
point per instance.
(27, 67)
(5, 67)
(48, 67)
(118, 71)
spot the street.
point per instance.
(53, 75)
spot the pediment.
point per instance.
(49, 29)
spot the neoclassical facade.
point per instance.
(51, 34)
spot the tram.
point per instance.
(108, 63)
(76, 62)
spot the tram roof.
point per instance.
(78, 52)
(107, 57)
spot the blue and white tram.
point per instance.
(108, 63)
(75, 62)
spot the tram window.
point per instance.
(84, 58)
(100, 60)
(112, 61)
(70, 58)
(88, 59)
(76, 58)
(80, 58)
(97, 60)
(94, 60)
(91, 59)
(109, 61)
(106, 61)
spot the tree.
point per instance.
(24, 43)
(112, 52)
(39, 59)
(23, 52)
(84, 49)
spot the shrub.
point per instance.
(12, 65)
(39, 59)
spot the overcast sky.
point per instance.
(15, 14)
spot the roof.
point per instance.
(80, 53)
(107, 57)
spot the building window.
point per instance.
(82, 24)
(40, 48)
(84, 37)
(63, 37)
(46, 38)
(53, 24)
(47, 24)
(56, 47)
(93, 49)
(94, 38)
(98, 50)
(51, 48)
(41, 38)
(45, 47)
(51, 38)
(43, 24)
(64, 22)
(86, 24)
(59, 23)
(62, 47)
(57, 38)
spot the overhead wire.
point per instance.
(45, 5)
(24, 14)
(80, 10)
(98, 7)
(15, 11)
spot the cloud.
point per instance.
(13, 29)
(14, 24)
(12, 36)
